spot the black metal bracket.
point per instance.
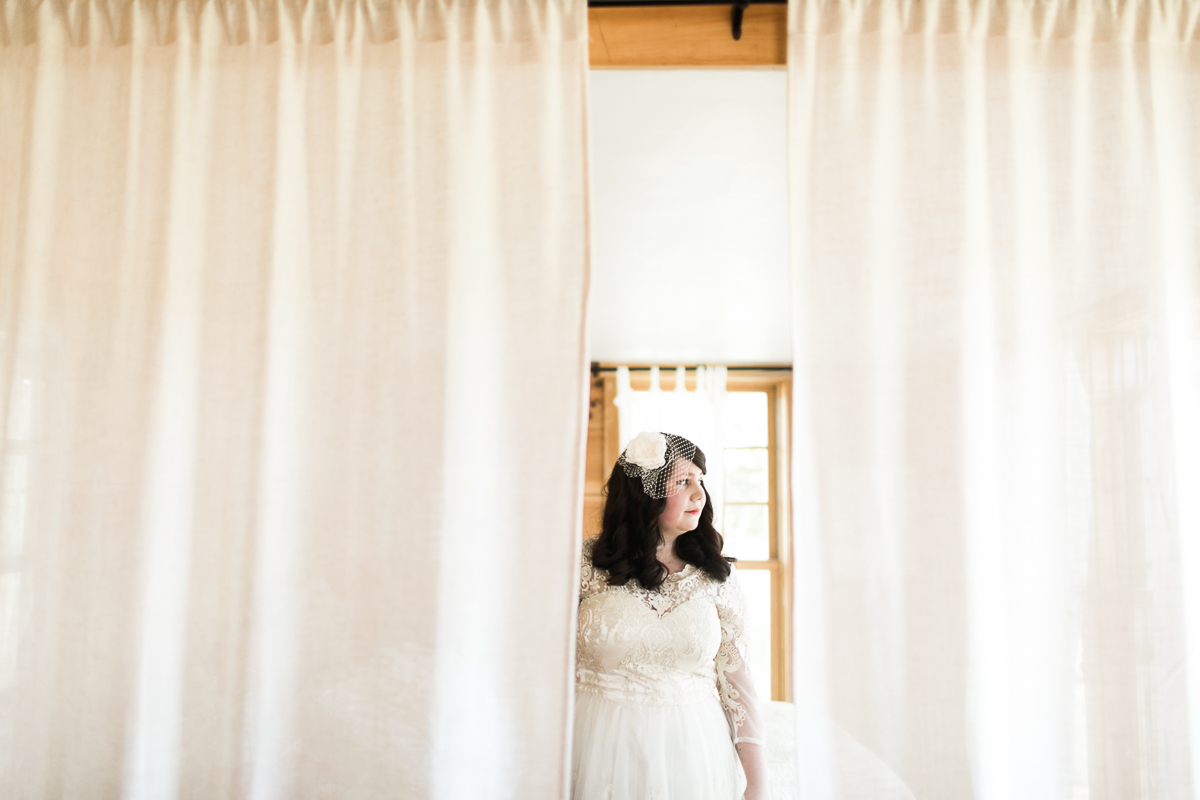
(739, 8)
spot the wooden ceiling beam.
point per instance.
(686, 36)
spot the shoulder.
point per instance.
(718, 584)
(729, 592)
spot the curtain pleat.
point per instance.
(308, 22)
(292, 393)
(996, 275)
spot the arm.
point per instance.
(737, 689)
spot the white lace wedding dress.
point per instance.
(662, 689)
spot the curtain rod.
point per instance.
(597, 368)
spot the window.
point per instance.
(755, 524)
(755, 491)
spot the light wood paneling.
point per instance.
(687, 36)
(612, 425)
(594, 475)
(596, 471)
(593, 506)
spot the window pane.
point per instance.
(746, 476)
(746, 419)
(747, 532)
(756, 584)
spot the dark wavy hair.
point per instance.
(628, 543)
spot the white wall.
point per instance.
(689, 236)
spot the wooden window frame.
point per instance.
(776, 382)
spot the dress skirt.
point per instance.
(629, 751)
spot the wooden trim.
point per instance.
(612, 425)
(686, 36)
(778, 653)
(783, 531)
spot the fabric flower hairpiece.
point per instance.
(648, 450)
(653, 457)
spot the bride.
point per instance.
(665, 707)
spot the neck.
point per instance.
(668, 540)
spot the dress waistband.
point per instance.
(678, 690)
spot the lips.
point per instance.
(694, 511)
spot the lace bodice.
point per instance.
(671, 646)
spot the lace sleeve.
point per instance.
(591, 580)
(733, 669)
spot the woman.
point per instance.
(665, 707)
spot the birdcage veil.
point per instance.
(658, 459)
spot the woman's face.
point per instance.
(682, 513)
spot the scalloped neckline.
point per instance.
(687, 569)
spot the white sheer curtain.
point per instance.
(997, 482)
(698, 415)
(285, 515)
